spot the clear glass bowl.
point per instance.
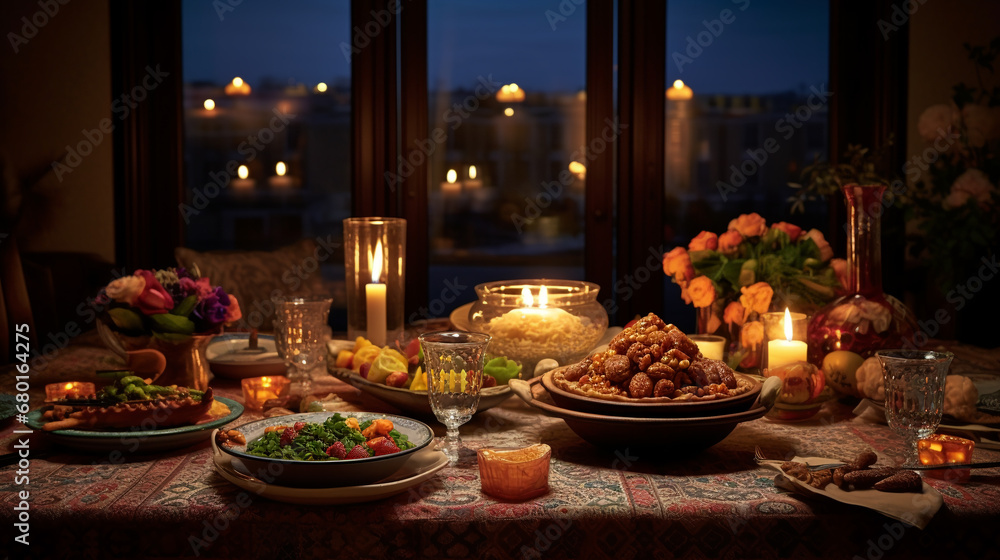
(530, 320)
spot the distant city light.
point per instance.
(578, 169)
(509, 112)
(472, 172)
(243, 172)
(280, 168)
(238, 82)
(678, 84)
(679, 91)
(210, 104)
(321, 87)
(452, 176)
(510, 93)
(237, 87)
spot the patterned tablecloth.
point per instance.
(603, 503)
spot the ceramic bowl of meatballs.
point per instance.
(651, 370)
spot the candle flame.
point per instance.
(472, 172)
(280, 168)
(375, 262)
(243, 172)
(526, 299)
(543, 297)
(788, 325)
(69, 386)
(451, 176)
(265, 382)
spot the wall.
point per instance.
(55, 86)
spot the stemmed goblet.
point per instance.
(454, 363)
(301, 330)
(914, 394)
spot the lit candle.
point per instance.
(242, 182)
(280, 180)
(69, 389)
(451, 187)
(258, 390)
(375, 299)
(711, 346)
(781, 352)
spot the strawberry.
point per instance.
(337, 450)
(288, 436)
(298, 426)
(383, 446)
(359, 452)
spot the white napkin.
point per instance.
(247, 357)
(913, 508)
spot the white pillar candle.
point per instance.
(782, 352)
(375, 300)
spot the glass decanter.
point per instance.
(867, 319)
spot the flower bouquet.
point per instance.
(171, 311)
(750, 269)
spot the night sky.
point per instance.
(771, 45)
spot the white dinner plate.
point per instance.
(418, 468)
(226, 357)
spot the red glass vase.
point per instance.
(867, 319)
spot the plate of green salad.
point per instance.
(325, 449)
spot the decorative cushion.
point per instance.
(254, 277)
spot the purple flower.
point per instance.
(211, 310)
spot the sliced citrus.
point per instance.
(366, 355)
(386, 362)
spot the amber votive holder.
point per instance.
(258, 390)
(515, 474)
(69, 390)
(943, 449)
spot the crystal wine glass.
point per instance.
(454, 363)
(300, 326)
(914, 394)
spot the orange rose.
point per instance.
(749, 225)
(792, 230)
(825, 252)
(729, 241)
(685, 294)
(702, 291)
(677, 264)
(840, 269)
(704, 241)
(734, 313)
(756, 298)
(752, 335)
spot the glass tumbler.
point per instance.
(914, 394)
(301, 332)
(454, 363)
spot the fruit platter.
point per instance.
(396, 376)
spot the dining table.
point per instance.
(612, 502)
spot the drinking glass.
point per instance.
(454, 363)
(301, 330)
(914, 394)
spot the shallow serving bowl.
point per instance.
(631, 408)
(327, 474)
(660, 436)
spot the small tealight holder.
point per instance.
(258, 390)
(515, 474)
(942, 449)
(711, 346)
(785, 336)
(68, 390)
(374, 265)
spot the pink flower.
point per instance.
(792, 230)
(199, 287)
(154, 299)
(825, 251)
(749, 225)
(704, 241)
(729, 241)
(935, 121)
(126, 289)
(972, 184)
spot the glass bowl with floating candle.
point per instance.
(530, 320)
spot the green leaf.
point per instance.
(167, 323)
(731, 271)
(186, 306)
(126, 319)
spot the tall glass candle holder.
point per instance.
(375, 267)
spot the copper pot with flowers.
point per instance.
(161, 321)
